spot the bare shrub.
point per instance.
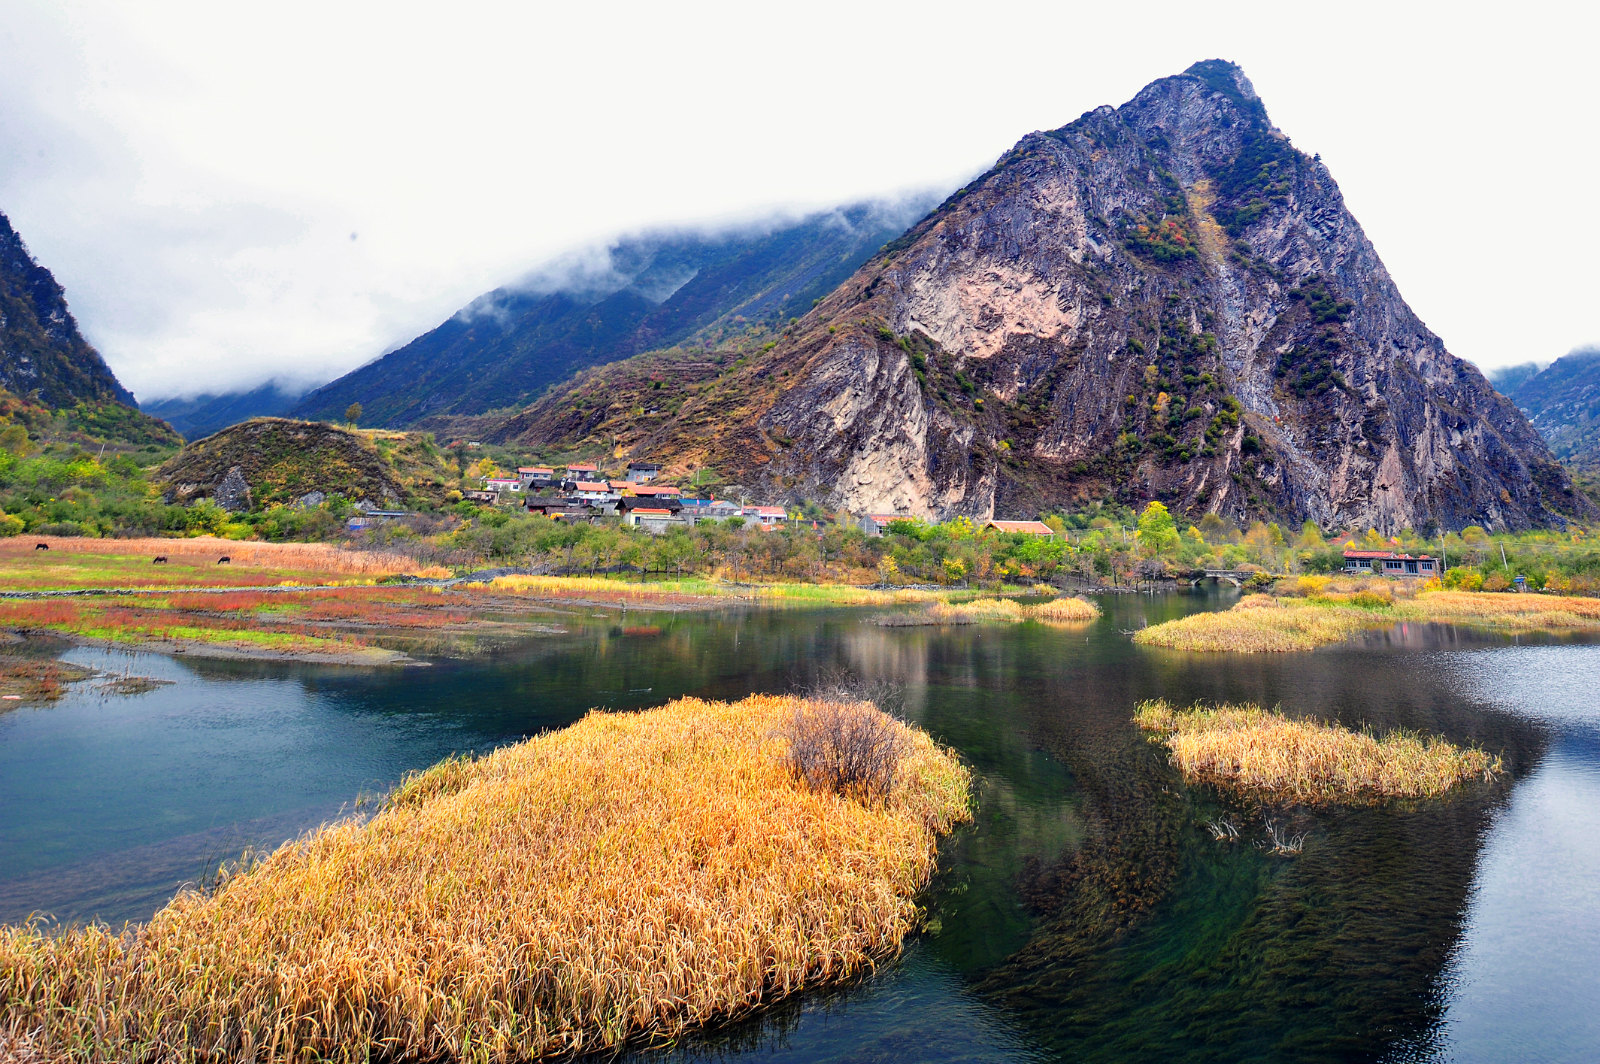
(851, 748)
(842, 685)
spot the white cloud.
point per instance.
(193, 173)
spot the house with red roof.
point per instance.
(1027, 528)
(1390, 563)
(766, 516)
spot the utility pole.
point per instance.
(1503, 563)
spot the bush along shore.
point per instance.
(1263, 754)
(1320, 610)
(621, 880)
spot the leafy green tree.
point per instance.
(1157, 530)
(352, 413)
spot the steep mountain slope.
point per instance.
(1563, 401)
(1163, 300)
(648, 292)
(45, 362)
(201, 415)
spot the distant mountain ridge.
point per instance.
(1563, 402)
(46, 362)
(201, 415)
(1164, 300)
(643, 292)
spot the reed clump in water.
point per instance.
(1330, 614)
(1268, 755)
(1257, 624)
(1062, 611)
(618, 880)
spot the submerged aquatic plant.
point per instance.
(1266, 754)
(621, 879)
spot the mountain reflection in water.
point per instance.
(1086, 915)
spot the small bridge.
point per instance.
(1236, 577)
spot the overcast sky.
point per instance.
(234, 192)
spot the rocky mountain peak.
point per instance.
(1165, 300)
(42, 354)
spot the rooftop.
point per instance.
(1032, 528)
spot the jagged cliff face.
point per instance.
(42, 354)
(1163, 300)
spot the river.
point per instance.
(1087, 915)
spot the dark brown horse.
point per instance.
(159, 559)
(41, 546)
(224, 560)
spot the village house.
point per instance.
(489, 497)
(878, 524)
(654, 519)
(595, 493)
(766, 516)
(583, 471)
(559, 509)
(498, 484)
(1390, 563)
(1027, 528)
(536, 478)
(643, 472)
(714, 509)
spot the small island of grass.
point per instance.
(1264, 754)
(1320, 611)
(620, 880)
(1062, 612)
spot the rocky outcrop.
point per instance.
(47, 364)
(1164, 300)
(276, 460)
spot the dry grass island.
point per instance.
(1264, 754)
(620, 880)
(1060, 612)
(1319, 610)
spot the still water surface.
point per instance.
(1087, 915)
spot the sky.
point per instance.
(231, 193)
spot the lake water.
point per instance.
(1087, 915)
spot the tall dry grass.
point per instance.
(1063, 612)
(296, 557)
(1505, 610)
(621, 879)
(1257, 624)
(1266, 754)
(694, 589)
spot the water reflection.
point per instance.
(1086, 915)
(1524, 985)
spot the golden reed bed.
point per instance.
(299, 557)
(1060, 611)
(622, 879)
(1267, 755)
(1264, 624)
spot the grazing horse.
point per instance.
(159, 559)
(41, 546)
(224, 560)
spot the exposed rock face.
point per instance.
(41, 351)
(1163, 300)
(1169, 298)
(233, 493)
